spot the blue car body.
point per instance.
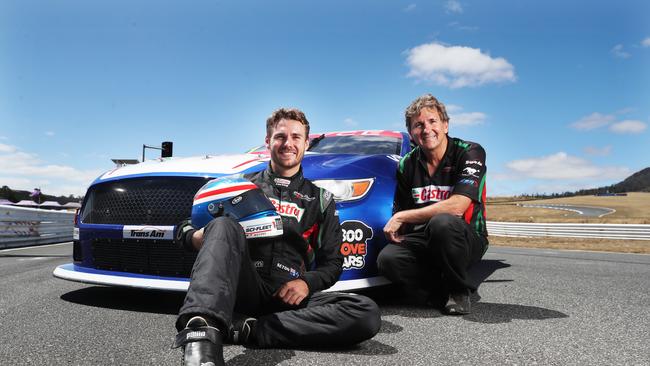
(124, 230)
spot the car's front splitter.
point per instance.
(73, 272)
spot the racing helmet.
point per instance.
(235, 197)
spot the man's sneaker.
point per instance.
(241, 331)
(202, 344)
(458, 303)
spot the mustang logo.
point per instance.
(470, 171)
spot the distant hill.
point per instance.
(637, 182)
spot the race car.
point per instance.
(123, 234)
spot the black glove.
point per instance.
(183, 235)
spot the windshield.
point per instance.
(351, 144)
(364, 145)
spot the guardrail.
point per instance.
(21, 227)
(594, 231)
(28, 226)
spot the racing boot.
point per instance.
(242, 331)
(202, 344)
(458, 303)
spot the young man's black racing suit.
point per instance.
(231, 273)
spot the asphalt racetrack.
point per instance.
(533, 307)
(580, 210)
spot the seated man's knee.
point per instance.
(441, 222)
(371, 322)
(386, 262)
(368, 319)
(223, 228)
(396, 261)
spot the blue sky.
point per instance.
(557, 92)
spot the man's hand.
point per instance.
(181, 232)
(187, 237)
(197, 239)
(392, 227)
(293, 292)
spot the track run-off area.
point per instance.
(580, 210)
(534, 306)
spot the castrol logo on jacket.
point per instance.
(431, 193)
(288, 209)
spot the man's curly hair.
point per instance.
(286, 113)
(424, 101)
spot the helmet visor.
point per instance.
(246, 204)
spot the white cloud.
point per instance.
(409, 8)
(49, 133)
(618, 51)
(596, 151)
(459, 118)
(22, 170)
(593, 121)
(350, 122)
(7, 148)
(451, 108)
(561, 166)
(468, 119)
(626, 110)
(454, 6)
(628, 126)
(563, 187)
(646, 42)
(458, 26)
(457, 66)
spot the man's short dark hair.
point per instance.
(286, 113)
(421, 102)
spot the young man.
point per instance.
(275, 282)
(438, 227)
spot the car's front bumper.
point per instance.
(77, 273)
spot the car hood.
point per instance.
(210, 165)
(315, 166)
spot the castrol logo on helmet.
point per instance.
(288, 209)
(431, 193)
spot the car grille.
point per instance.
(151, 257)
(141, 201)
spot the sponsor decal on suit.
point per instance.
(288, 209)
(431, 193)
(470, 172)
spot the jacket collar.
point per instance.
(422, 158)
(293, 183)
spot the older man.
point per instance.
(438, 226)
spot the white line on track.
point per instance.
(611, 211)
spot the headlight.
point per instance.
(346, 189)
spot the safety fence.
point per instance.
(21, 227)
(570, 230)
